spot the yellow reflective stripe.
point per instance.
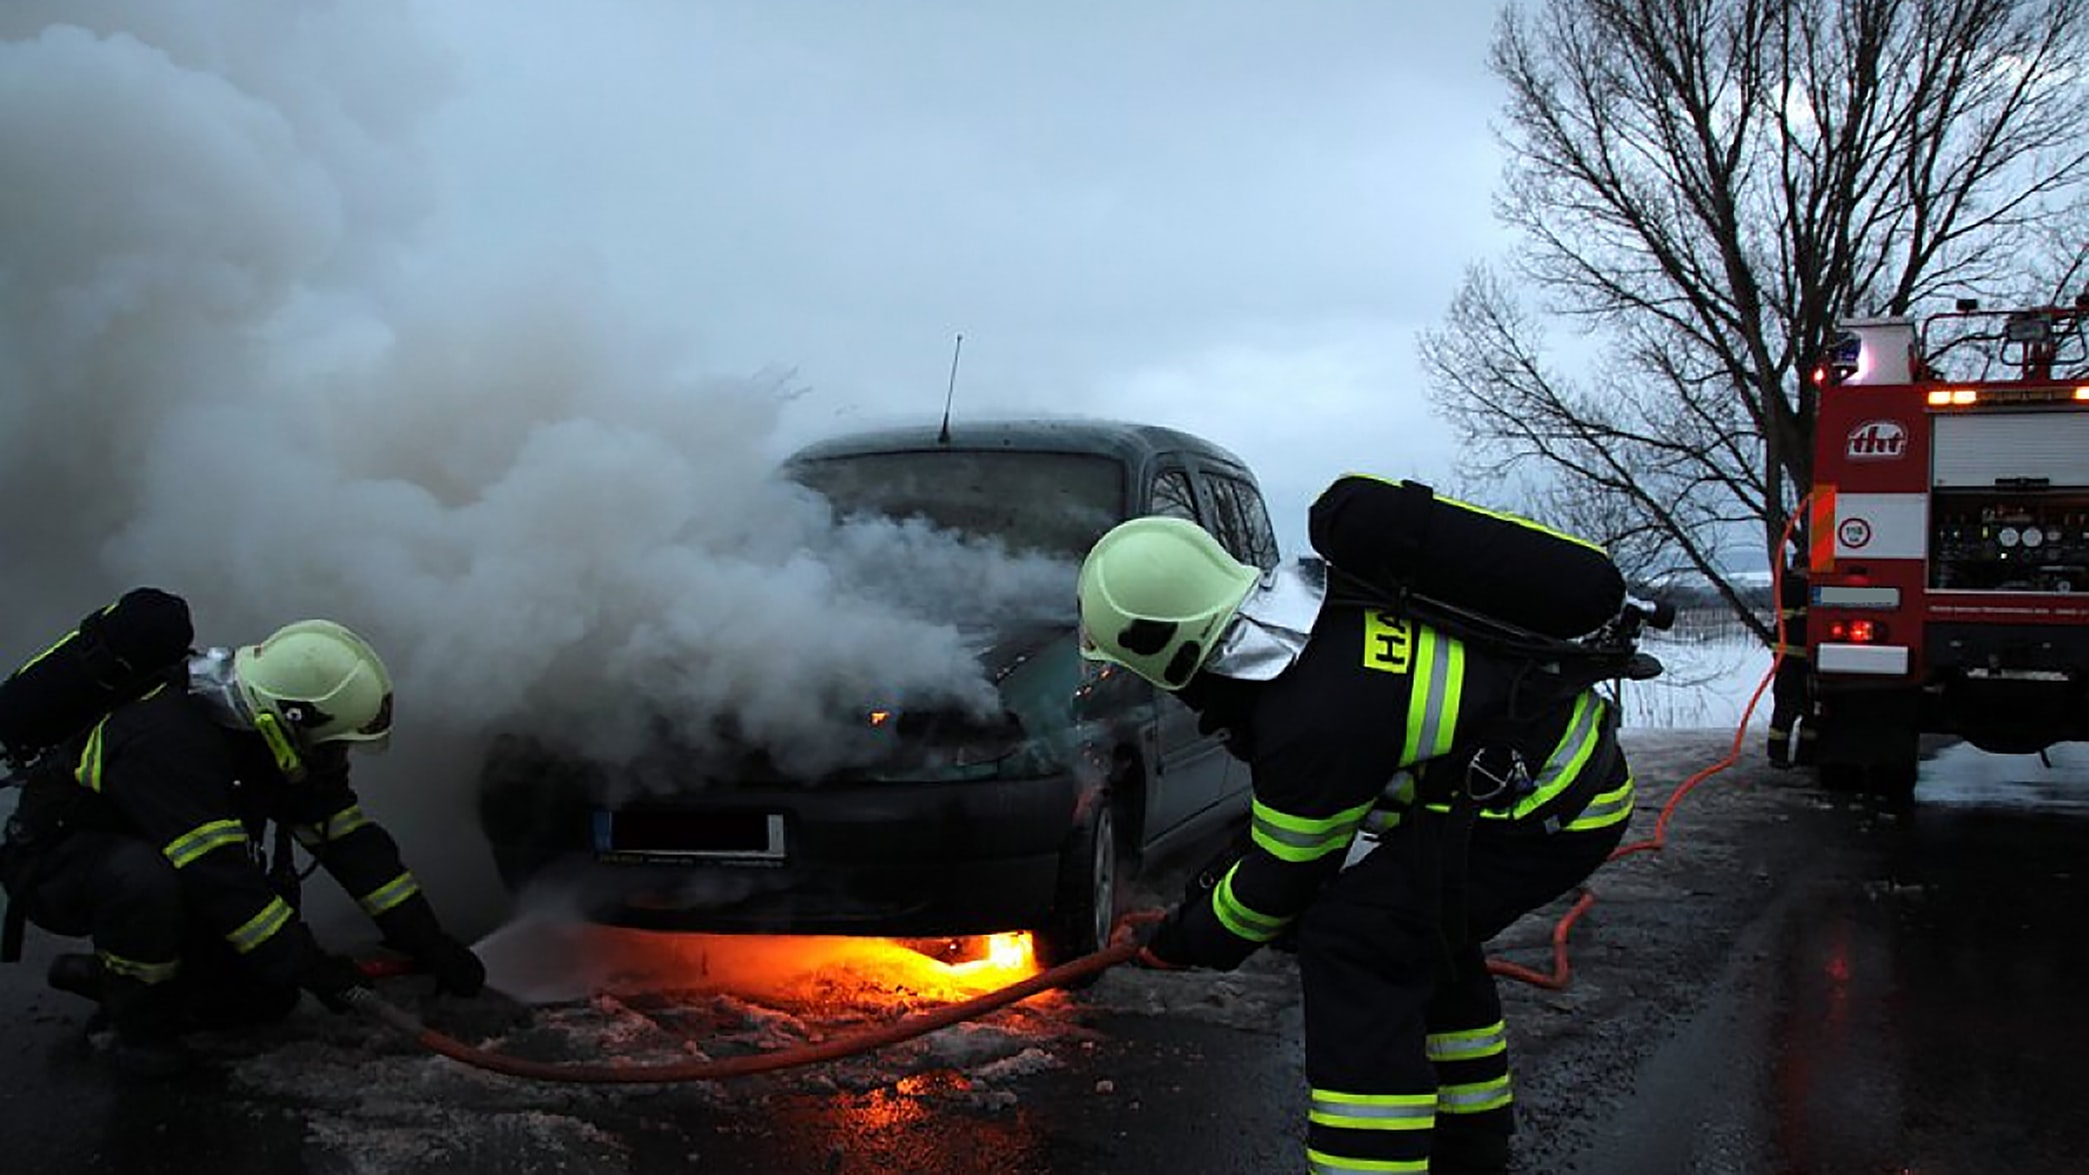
(1433, 693)
(1604, 810)
(147, 973)
(1372, 1111)
(1790, 652)
(184, 849)
(1477, 1097)
(261, 927)
(88, 771)
(1304, 838)
(332, 828)
(390, 894)
(1321, 1163)
(1244, 922)
(1469, 1043)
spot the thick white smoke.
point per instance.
(224, 372)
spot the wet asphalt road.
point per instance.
(1800, 983)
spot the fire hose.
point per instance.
(921, 1023)
(1561, 967)
(905, 1028)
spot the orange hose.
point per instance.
(1561, 965)
(904, 1028)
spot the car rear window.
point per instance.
(1057, 503)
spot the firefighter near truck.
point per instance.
(1947, 540)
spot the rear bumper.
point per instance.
(892, 858)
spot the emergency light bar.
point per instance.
(1967, 397)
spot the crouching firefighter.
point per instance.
(144, 832)
(1491, 788)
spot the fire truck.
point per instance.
(1948, 540)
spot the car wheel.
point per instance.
(1084, 910)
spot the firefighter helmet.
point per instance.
(318, 680)
(1155, 594)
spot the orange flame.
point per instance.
(829, 974)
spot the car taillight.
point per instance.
(1857, 632)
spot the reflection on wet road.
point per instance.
(1932, 1008)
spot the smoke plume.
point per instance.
(226, 370)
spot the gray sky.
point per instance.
(1226, 215)
(462, 321)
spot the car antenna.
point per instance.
(943, 438)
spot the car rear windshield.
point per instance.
(1057, 503)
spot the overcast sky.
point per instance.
(467, 322)
(1230, 216)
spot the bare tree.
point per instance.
(1701, 188)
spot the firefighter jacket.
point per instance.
(1371, 700)
(161, 769)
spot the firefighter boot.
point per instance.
(147, 1017)
(1468, 1153)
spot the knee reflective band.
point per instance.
(1492, 1040)
(146, 973)
(1298, 839)
(333, 828)
(183, 850)
(388, 895)
(261, 927)
(1373, 1111)
(1475, 1097)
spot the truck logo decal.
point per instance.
(1877, 440)
(1854, 533)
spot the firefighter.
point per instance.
(146, 835)
(1350, 716)
(1791, 691)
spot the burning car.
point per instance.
(1032, 817)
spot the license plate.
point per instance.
(671, 836)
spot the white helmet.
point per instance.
(1156, 594)
(318, 682)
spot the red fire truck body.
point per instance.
(1949, 545)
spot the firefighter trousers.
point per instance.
(1406, 1049)
(163, 975)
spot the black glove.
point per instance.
(334, 980)
(456, 969)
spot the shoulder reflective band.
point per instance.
(261, 927)
(390, 894)
(88, 772)
(183, 850)
(1432, 701)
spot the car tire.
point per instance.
(1084, 908)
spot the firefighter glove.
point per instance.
(456, 969)
(1160, 940)
(334, 980)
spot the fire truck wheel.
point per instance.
(1085, 908)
